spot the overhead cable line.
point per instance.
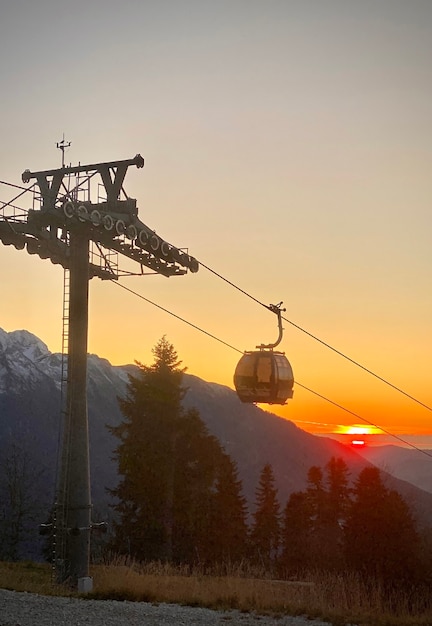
(368, 371)
(324, 343)
(23, 191)
(4, 182)
(384, 430)
(158, 306)
(319, 395)
(297, 326)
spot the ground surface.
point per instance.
(27, 609)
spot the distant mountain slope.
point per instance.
(254, 437)
(404, 463)
(30, 410)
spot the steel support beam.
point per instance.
(74, 505)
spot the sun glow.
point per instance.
(356, 435)
(359, 431)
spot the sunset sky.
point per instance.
(287, 144)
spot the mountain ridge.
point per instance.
(403, 463)
(30, 410)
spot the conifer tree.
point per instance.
(198, 459)
(336, 503)
(338, 491)
(316, 495)
(381, 538)
(296, 533)
(167, 464)
(265, 532)
(326, 502)
(229, 527)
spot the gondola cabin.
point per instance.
(264, 376)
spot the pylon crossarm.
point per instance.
(111, 223)
(112, 174)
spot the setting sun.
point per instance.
(358, 443)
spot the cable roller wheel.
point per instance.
(69, 209)
(131, 232)
(108, 222)
(143, 237)
(154, 242)
(165, 249)
(82, 213)
(193, 265)
(95, 217)
(120, 227)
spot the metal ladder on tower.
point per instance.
(59, 537)
(65, 337)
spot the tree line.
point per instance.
(179, 498)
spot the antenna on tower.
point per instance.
(62, 145)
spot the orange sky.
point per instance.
(286, 145)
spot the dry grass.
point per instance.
(340, 599)
(28, 576)
(164, 583)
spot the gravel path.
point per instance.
(28, 609)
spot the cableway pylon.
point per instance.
(86, 239)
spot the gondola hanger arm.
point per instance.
(275, 308)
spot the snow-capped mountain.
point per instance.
(23, 356)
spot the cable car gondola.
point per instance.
(265, 375)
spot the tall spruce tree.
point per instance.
(197, 462)
(381, 537)
(316, 497)
(229, 527)
(265, 532)
(338, 491)
(167, 463)
(336, 504)
(296, 532)
(314, 520)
